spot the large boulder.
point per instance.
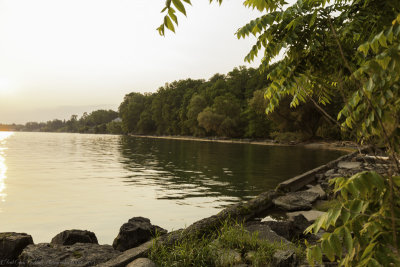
(70, 237)
(78, 255)
(135, 232)
(293, 201)
(11, 246)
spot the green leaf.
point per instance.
(313, 17)
(382, 39)
(396, 180)
(347, 239)
(328, 250)
(364, 48)
(356, 206)
(335, 244)
(333, 216)
(168, 23)
(375, 179)
(171, 13)
(178, 4)
(389, 94)
(384, 62)
(368, 250)
(345, 215)
(369, 85)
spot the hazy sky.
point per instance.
(63, 57)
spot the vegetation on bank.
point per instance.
(228, 246)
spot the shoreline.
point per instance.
(332, 145)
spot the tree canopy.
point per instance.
(350, 49)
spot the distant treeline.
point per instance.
(99, 121)
(231, 105)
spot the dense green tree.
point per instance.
(130, 110)
(197, 104)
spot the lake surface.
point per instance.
(50, 182)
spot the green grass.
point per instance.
(230, 245)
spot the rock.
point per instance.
(284, 258)
(78, 255)
(282, 228)
(70, 237)
(310, 215)
(129, 255)
(265, 233)
(268, 219)
(329, 173)
(293, 201)
(11, 246)
(349, 164)
(300, 224)
(317, 189)
(136, 231)
(250, 256)
(142, 262)
(228, 257)
(290, 229)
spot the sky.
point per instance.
(64, 57)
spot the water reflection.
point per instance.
(223, 173)
(3, 167)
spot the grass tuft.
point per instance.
(230, 245)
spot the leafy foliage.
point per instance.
(359, 228)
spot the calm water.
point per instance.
(50, 182)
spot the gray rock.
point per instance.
(142, 262)
(70, 237)
(317, 189)
(349, 164)
(293, 201)
(11, 246)
(265, 233)
(78, 255)
(136, 231)
(310, 215)
(284, 258)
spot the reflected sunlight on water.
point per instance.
(3, 167)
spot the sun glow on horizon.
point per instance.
(6, 86)
(3, 166)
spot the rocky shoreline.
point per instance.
(346, 146)
(280, 216)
